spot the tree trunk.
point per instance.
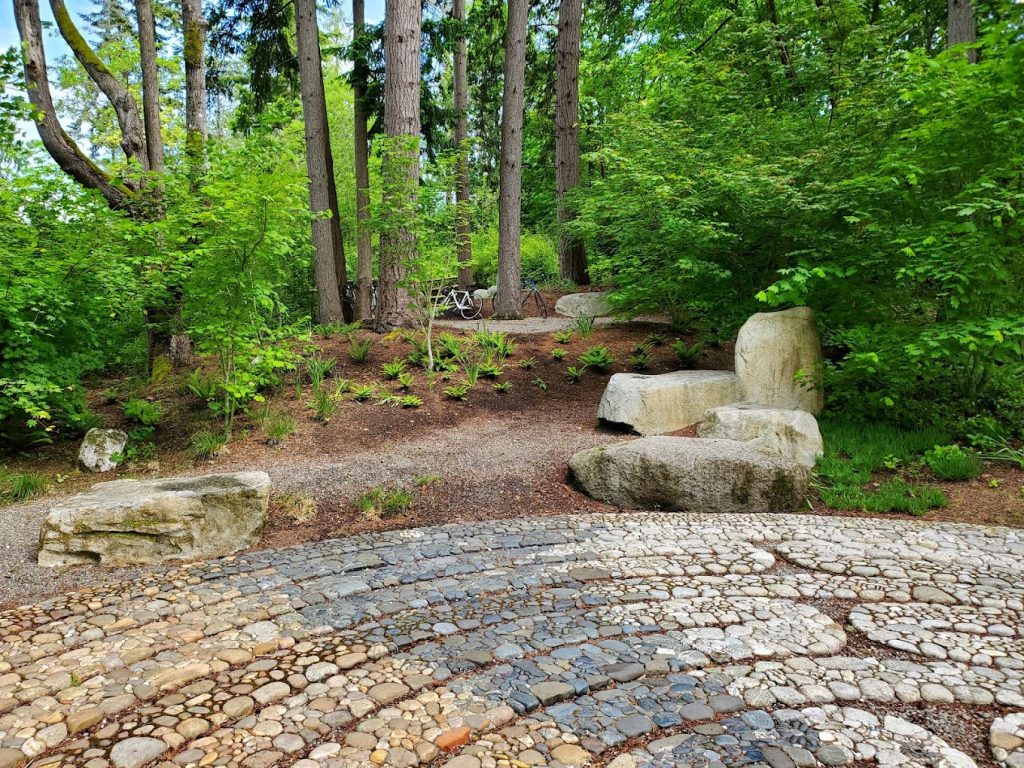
(117, 93)
(400, 162)
(463, 232)
(150, 85)
(364, 244)
(194, 30)
(319, 164)
(572, 259)
(64, 151)
(960, 27)
(510, 184)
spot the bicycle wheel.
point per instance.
(471, 310)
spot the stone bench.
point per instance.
(656, 404)
(126, 522)
(779, 431)
(687, 474)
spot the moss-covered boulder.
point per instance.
(690, 475)
(126, 522)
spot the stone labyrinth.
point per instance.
(618, 640)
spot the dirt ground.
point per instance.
(496, 454)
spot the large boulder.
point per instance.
(687, 474)
(101, 449)
(653, 405)
(778, 359)
(124, 522)
(778, 431)
(594, 304)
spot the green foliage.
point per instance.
(359, 350)
(20, 486)
(558, 353)
(563, 337)
(687, 354)
(597, 357)
(583, 325)
(450, 347)
(527, 363)
(318, 367)
(363, 392)
(203, 386)
(277, 426)
(405, 380)
(325, 403)
(538, 253)
(952, 462)
(380, 503)
(410, 401)
(856, 451)
(471, 372)
(640, 360)
(204, 445)
(540, 384)
(394, 369)
(494, 343)
(143, 412)
(490, 370)
(575, 373)
(502, 386)
(457, 391)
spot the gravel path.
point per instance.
(489, 463)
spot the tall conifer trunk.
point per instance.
(364, 243)
(572, 258)
(400, 162)
(463, 231)
(323, 198)
(510, 185)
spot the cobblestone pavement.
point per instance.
(617, 640)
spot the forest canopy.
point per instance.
(711, 159)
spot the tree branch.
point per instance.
(120, 97)
(59, 145)
(712, 36)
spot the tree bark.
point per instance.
(463, 231)
(61, 147)
(364, 244)
(121, 99)
(510, 184)
(572, 258)
(400, 162)
(960, 27)
(194, 30)
(319, 164)
(150, 84)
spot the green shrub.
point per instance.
(277, 427)
(583, 325)
(687, 354)
(325, 403)
(527, 363)
(490, 371)
(203, 386)
(457, 391)
(574, 373)
(597, 357)
(640, 360)
(143, 412)
(502, 386)
(540, 384)
(394, 369)
(318, 367)
(363, 392)
(380, 503)
(410, 401)
(538, 254)
(563, 337)
(952, 462)
(359, 350)
(19, 486)
(558, 353)
(472, 372)
(205, 445)
(405, 380)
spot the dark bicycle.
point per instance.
(531, 289)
